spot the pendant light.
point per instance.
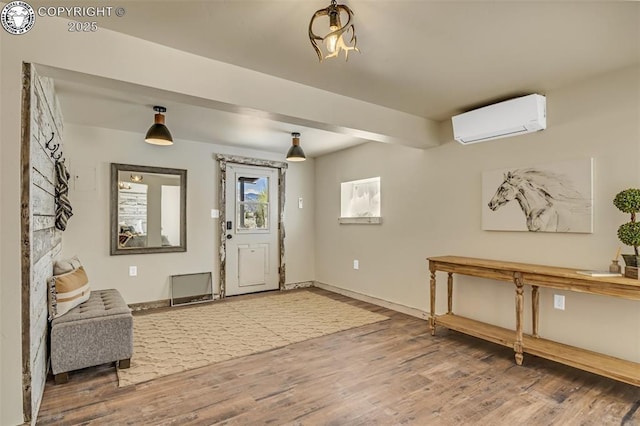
(158, 133)
(295, 153)
(333, 41)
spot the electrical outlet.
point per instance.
(133, 271)
(356, 264)
(558, 301)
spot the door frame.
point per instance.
(223, 160)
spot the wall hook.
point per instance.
(49, 145)
(53, 147)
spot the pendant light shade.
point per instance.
(158, 133)
(295, 153)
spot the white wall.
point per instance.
(300, 223)
(90, 151)
(431, 206)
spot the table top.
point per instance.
(547, 276)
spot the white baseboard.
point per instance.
(374, 300)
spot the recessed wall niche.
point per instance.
(360, 201)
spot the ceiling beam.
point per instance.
(127, 59)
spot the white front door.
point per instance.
(252, 253)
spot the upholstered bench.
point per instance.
(95, 332)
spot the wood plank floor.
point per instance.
(389, 373)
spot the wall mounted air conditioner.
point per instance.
(509, 118)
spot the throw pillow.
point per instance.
(67, 291)
(63, 266)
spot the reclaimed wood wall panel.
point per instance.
(42, 202)
(43, 166)
(42, 242)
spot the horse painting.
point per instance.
(548, 200)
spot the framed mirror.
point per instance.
(148, 209)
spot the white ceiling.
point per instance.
(430, 59)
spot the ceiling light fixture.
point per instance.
(295, 153)
(333, 41)
(158, 133)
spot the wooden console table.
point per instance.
(536, 276)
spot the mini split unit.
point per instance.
(509, 118)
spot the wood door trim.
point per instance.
(25, 225)
(223, 160)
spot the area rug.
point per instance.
(185, 338)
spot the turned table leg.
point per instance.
(517, 346)
(535, 306)
(432, 295)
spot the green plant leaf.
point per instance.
(629, 233)
(628, 201)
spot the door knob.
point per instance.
(229, 236)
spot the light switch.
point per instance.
(215, 213)
(356, 264)
(558, 301)
(133, 271)
(299, 202)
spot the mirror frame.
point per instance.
(115, 169)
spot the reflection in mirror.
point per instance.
(148, 209)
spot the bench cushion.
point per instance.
(101, 303)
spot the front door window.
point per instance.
(252, 203)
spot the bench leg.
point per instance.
(124, 363)
(61, 378)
